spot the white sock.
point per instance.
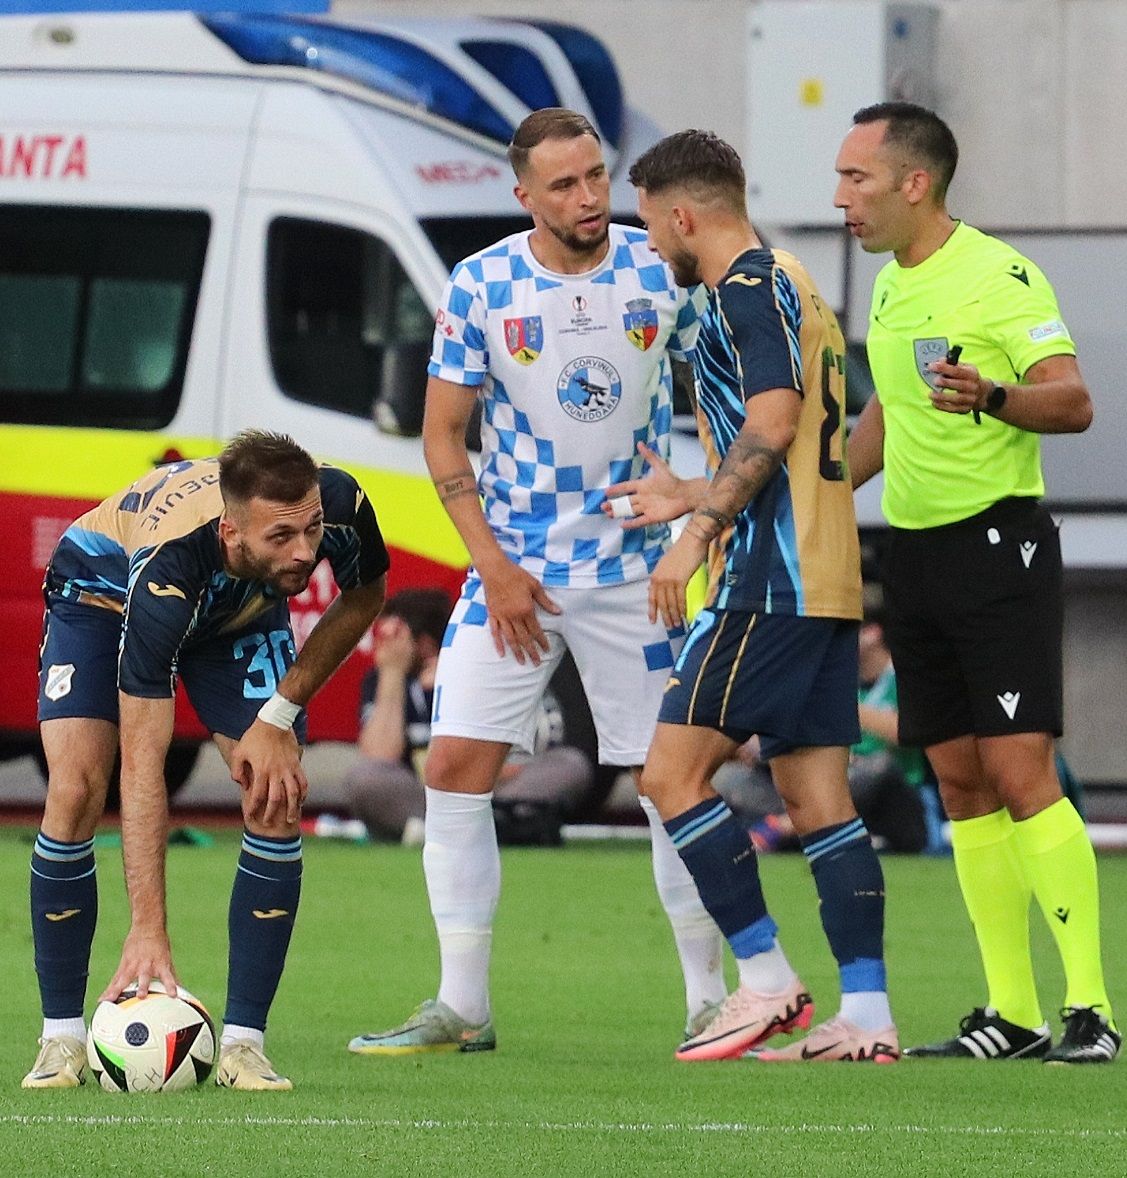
(700, 944)
(867, 1009)
(232, 1033)
(463, 871)
(766, 973)
(54, 1028)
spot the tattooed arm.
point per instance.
(753, 457)
(511, 595)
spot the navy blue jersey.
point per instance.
(794, 548)
(152, 553)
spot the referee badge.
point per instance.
(927, 352)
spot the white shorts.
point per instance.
(623, 661)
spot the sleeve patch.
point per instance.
(1048, 330)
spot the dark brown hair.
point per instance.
(697, 161)
(920, 135)
(552, 122)
(426, 611)
(259, 464)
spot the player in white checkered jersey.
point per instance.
(564, 333)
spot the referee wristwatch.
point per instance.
(995, 399)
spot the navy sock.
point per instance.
(850, 883)
(264, 903)
(719, 855)
(64, 911)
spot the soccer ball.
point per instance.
(151, 1044)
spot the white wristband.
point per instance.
(280, 712)
(620, 507)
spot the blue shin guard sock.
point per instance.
(850, 883)
(260, 921)
(720, 858)
(64, 911)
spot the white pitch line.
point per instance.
(639, 1127)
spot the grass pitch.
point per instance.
(588, 1007)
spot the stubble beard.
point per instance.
(582, 246)
(685, 267)
(253, 568)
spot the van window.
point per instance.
(96, 311)
(348, 330)
(517, 69)
(455, 238)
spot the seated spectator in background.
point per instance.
(534, 793)
(884, 779)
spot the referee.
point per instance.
(972, 364)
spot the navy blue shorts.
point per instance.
(227, 677)
(791, 681)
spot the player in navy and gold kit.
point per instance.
(187, 574)
(774, 653)
(797, 552)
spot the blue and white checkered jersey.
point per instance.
(573, 370)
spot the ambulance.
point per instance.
(219, 221)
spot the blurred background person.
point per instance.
(886, 781)
(534, 793)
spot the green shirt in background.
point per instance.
(882, 694)
(978, 292)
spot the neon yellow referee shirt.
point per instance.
(981, 293)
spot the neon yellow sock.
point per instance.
(1058, 859)
(996, 893)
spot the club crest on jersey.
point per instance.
(589, 389)
(927, 352)
(640, 321)
(524, 338)
(59, 678)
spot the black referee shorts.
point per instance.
(975, 614)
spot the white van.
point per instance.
(214, 222)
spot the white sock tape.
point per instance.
(620, 507)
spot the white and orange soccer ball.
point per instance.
(151, 1044)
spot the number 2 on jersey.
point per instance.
(833, 396)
